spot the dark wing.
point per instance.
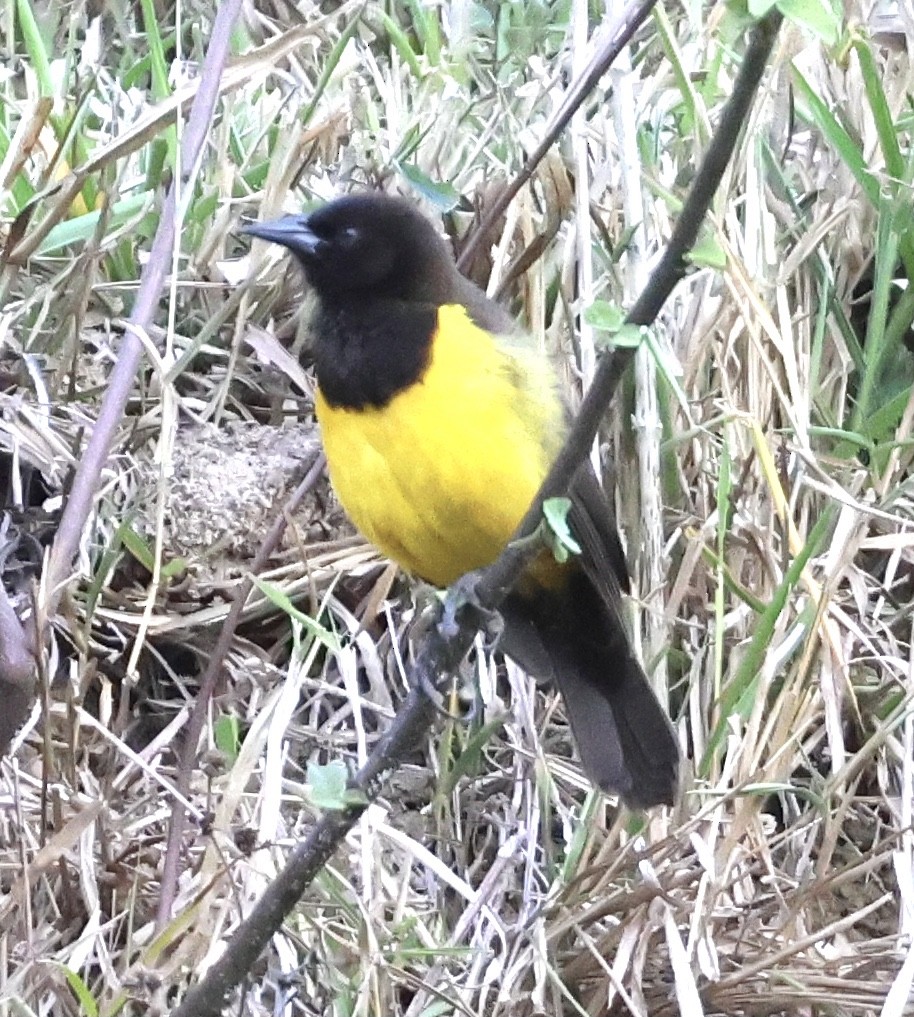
(484, 312)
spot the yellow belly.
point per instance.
(440, 477)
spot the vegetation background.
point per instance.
(760, 451)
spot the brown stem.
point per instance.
(86, 481)
(617, 38)
(208, 687)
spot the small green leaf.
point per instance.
(328, 789)
(82, 228)
(173, 568)
(137, 546)
(227, 735)
(39, 56)
(400, 41)
(555, 512)
(708, 253)
(87, 1004)
(874, 84)
(442, 195)
(628, 337)
(818, 16)
(425, 22)
(276, 596)
(740, 690)
(329, 65)
(470, 762)
(812, 107)
(605, 315)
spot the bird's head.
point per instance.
(368, 244)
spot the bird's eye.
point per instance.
(351, 234)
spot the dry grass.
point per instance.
(773, 561)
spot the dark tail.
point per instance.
(625, 738)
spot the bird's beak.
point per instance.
(291, 231)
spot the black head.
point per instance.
(367, 245)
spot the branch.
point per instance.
(501, 576)
(188, 758)
(17, 680)
(617, 37)
(18, 674)
(86, 481)
(446, 644)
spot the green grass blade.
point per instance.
(879, 107)
(35, 49)
(739, 690)
(817, 113)
(330, 66)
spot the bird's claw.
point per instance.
(459, 598)
(461, 595)
(437, 699)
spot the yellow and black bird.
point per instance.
(439, 428)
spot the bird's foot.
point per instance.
(461, 596)
(461, 609)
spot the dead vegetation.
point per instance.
(761, 457)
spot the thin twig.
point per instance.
(617, 38)
(14, 642)
(443, 647)
(85, 482)
(208, 686)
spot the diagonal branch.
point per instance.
(17, 671)
(614, 40)
(85, 483)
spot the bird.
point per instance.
(439, 423)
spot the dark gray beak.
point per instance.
(290, 231)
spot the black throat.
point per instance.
(364, 355)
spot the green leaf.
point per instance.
(39, 59)
(152, 40)
(629, 337)
(667, 364)
(277, 597)
(87, 1003)
(330, 65)
(227, 735)
(328, 789)
(738, 696)
(470, 761)
(813, 109)
(137, 546)
(818, 16)
(606, 316)
(708, 253)
(400, 42)
(142, 550)
(173, 568)
(694, 122)
(82, 228)
(425, 22)
(879, 105)
(555, 512)
(442, 195)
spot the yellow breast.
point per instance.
(439, 478)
